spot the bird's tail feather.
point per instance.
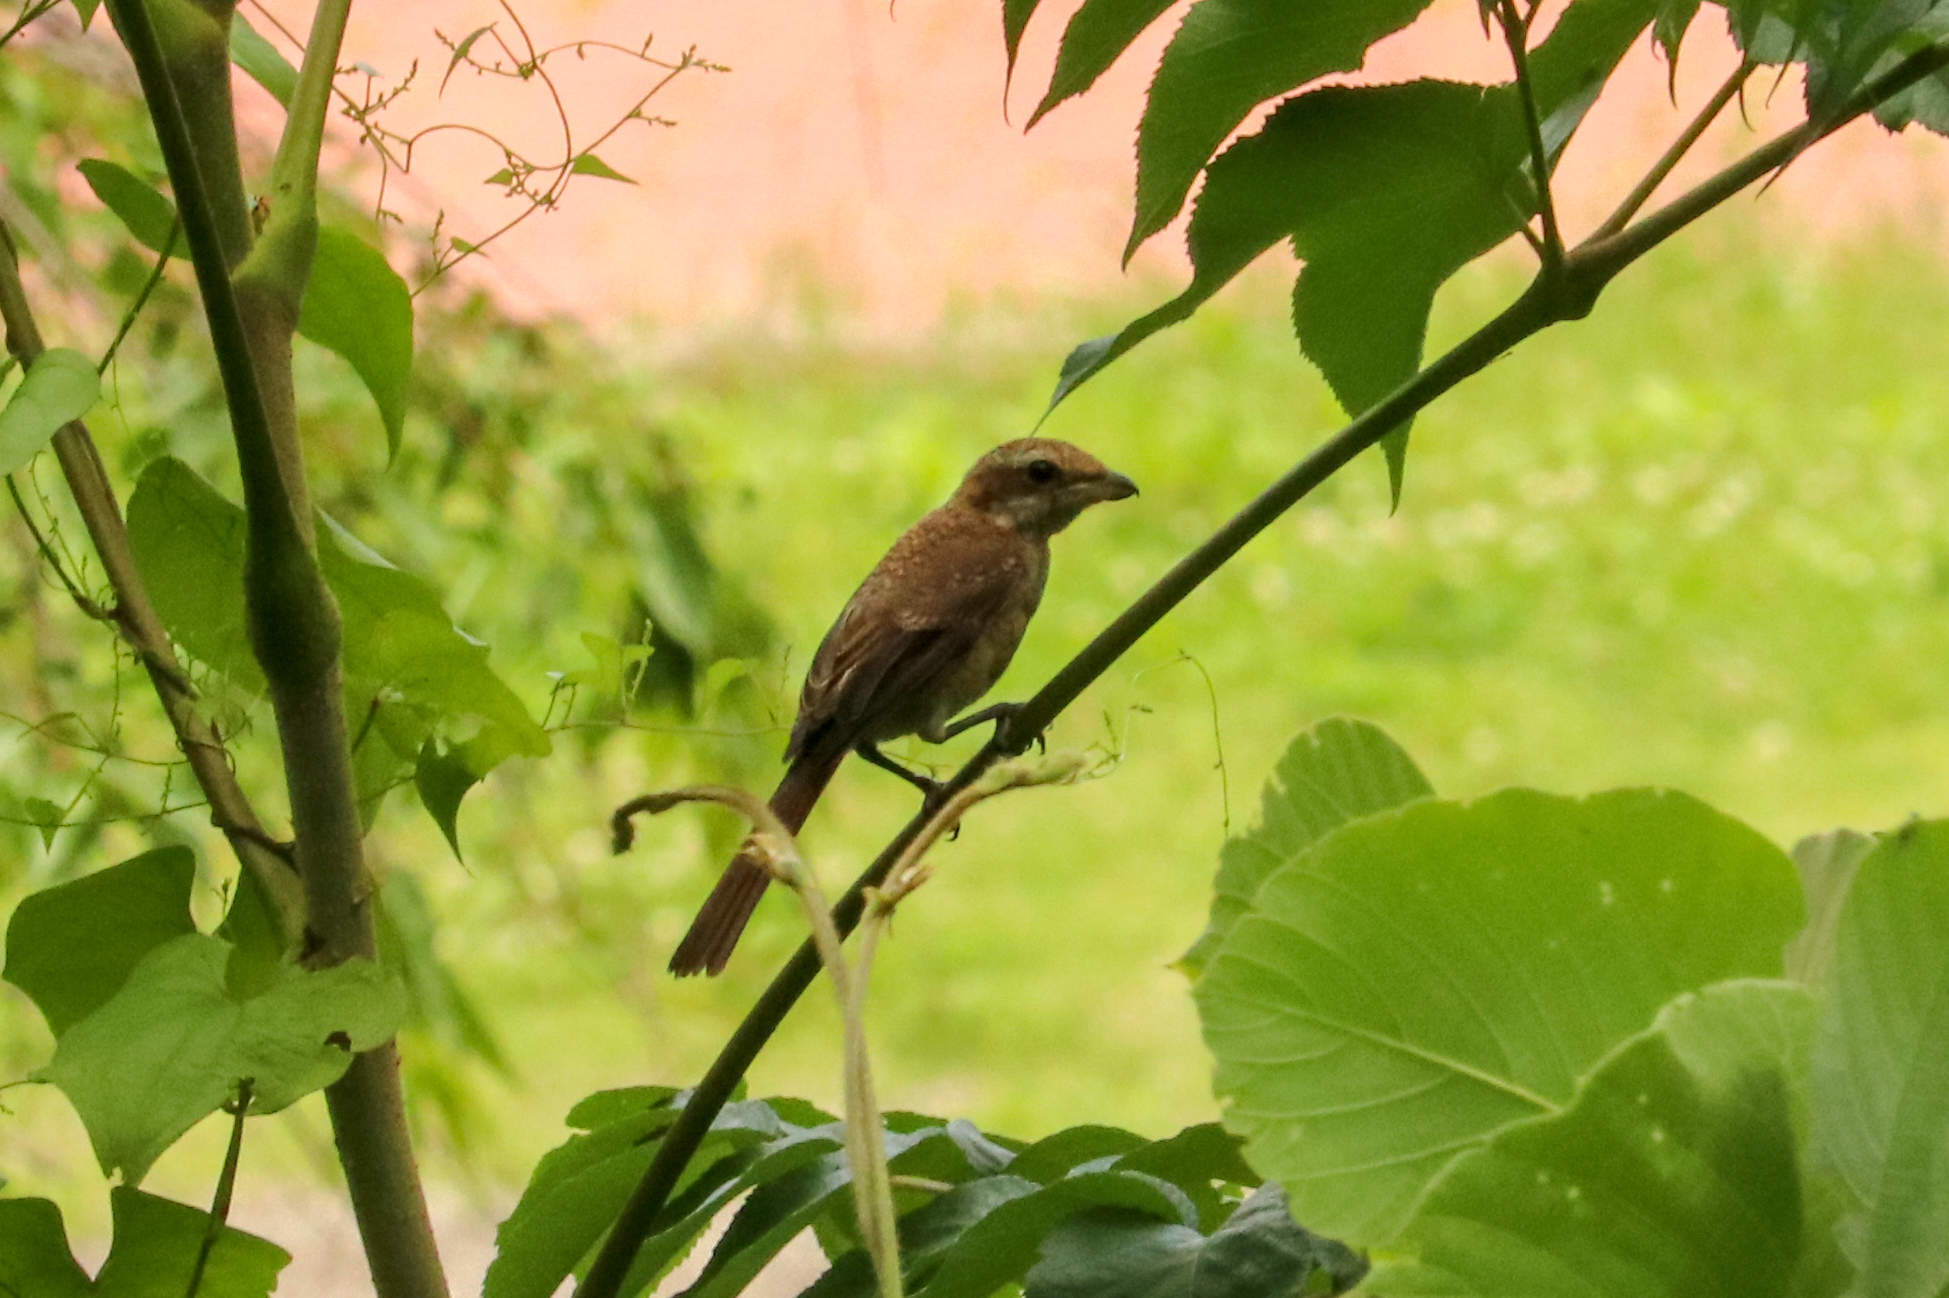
(721, 920)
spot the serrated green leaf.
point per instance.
(60, 385)
(261, 61)
(1881, 1064)
(1340, 770)
(358, 306)
(1669, 29)
(1419, 979)
(1261, 1250)
(1674, 1174)
(443, 778)
(1228, 57)
(588, 164)
(1097, 34)
(170, 1046)
(72, 947)
(140, 207)
(1015, 20)
(1385, 191)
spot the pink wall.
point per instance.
(865, 156)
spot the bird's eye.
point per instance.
(1043, 471)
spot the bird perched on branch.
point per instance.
(927, 633)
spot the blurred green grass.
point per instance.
(1699, 540)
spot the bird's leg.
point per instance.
(930, 788)
(1001, 714)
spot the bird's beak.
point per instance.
(1112, 486)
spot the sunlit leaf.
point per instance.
(170, 1046)
(1421, 978)
(261, 61)
(1881, 1064)
(149, 216)
(358, 306)
(1338, 771)
(1228, 57)
(1384, 191)
(1674, 1174)
(72, 946)
(60, 385)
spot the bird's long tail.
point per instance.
(725, 912)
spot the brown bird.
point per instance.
(927, 633)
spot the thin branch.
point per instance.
(226, 1185)
(1515, 32)
(1660, 170)
(1547, 301)
(141, 299)
(29, 11)
(88, 606)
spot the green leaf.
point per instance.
(1827, 863)
(1098, 32)
(399, 644)
(927, 1235)
(72, 947)
(189, 546)
(261, 61)
(1015, 20)
(1056, 1155)
(1003, 1245)
(257, 948)
(358, 306)
(149, 216)
(1673, 1175)
(86, 8)
(1419, 979)
(155, 1248)
(460, 51)
(60, 385)
(46, 817)
(1881, 1064)
(577, 1189)
(1338, 771)
(443, 778)
(34, 1255)
(588, 164)
(1261, 1250)
(171, 1045)
(1228, 57)
(1385, 191)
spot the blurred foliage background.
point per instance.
(1699, 540)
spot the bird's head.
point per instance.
(1038, 485)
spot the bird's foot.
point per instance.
(929, 788)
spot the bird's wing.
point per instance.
(914, 621)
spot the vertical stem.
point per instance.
(1515, 31)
